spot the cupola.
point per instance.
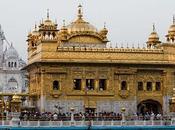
(48, 29)
(171, 32)
(153, 39)
(82, 33)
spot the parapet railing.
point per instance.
(89, 49)
(88, 123)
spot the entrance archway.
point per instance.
(149, 106)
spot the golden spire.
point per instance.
(55, 21)
(104, 24)
(80, 13)
(47, 13)
(35, 26)
(64, 23)
(154, 27)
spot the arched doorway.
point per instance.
(149, 106)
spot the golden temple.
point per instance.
(72, 67)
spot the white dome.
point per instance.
(11, 52)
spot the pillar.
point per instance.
(96, 84)
(144, 86)
(83, 84)
(42, 93)
(153, 86)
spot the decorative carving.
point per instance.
(124, 93)
(56, 94)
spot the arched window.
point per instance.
(149, 86)
(77, 84)
(9, 64)
(56, 85)
(102, 84)
(53, 34)
(140, 86)
(15, 64)
(90, 84)
(33, 44)
(12, 84)
(123, 85)
(158, 86)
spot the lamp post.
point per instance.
(16, 109)
(5, 109)
(72, 115)
(123, 115)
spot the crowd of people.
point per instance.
(25, 115)
(106, 116)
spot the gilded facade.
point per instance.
(72, 67)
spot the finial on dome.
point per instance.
(42, 21)
(29, 31)
(104, 24)
(80, 13)
(64, 23)
(11, 44)
(35, 26)
(55, 21)
(173, 19)
(47, 13)
(154, 27)
(116, 45)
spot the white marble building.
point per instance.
(12, 78)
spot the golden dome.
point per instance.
(153, 37)
(172, 27)
(80, 25)
(171, 32)
(35, 31)
(48, 22)
(64, 28)
(104, 31)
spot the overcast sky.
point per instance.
(128, 21)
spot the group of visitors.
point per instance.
(106, 116)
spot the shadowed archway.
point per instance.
(149, 106)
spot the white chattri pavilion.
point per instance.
(12, 78)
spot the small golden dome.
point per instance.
(153, 37)
(104, 31)
(80, 25)
(35, 31)
(48, 22)
(172, 27)
(64, 28)
(16, 98)
(171, 32)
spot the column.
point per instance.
(107, 84)
(144, 86)
(42, 94)
(96, 84)
(83, 84)
(153, 86)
